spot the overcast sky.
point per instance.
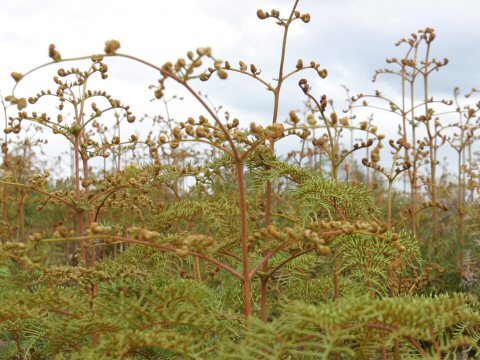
(351, 38)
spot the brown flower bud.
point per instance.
(177, 133)
(294, 117)
(111, 46)
(261, 14)
(222, 74)
(323, 73)
(159, 93)
(53, 53)
(305, 18)
(21, 103)
(204, 77)
(16, 76)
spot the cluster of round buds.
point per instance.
(391, 60)
(62, 232)
(194, 243)
(294, 118)
(275, 131)
(314, 238)
(304, 134)
(202, 129)
(319, 142)
(375, 155)
(143, 234)
(16, 76)
(408, 62)
(439, 64)
(21, 103)
(302, 235)
(39, 180)
(15, 129)
(323, 73)
(363, 144)
(435, 204)
(423, 118)
(85, 276)
(15, 249)
(304, 85)
(395, 242)
(111, 47)
(217, 67)
(234, 124)
(399, 144)
(97, 229)
(305, 17)
(262, 15)
(428, 34)
(333, 118)
(323, 103)
(311, 120)
(357, 97)
(35, 237)
(99, 66)
(257, 130)
(185, 69)
(349, 228)
(374, 165)
(53, 53)
(270, 232)
(242, 66)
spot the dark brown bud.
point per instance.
(305, 18)
(261, 14)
